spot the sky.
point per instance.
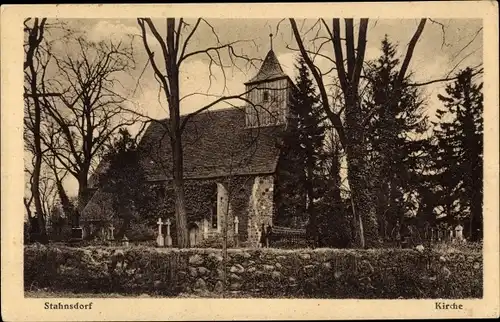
(438, 51)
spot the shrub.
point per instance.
(141, 232)
(215, 242)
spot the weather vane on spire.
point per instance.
(271, 39)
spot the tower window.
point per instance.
(266, 96)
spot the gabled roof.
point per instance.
(93, 181)
(270, 69)
(215, 143)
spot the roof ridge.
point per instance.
(239, 108)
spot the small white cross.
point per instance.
(159, 226)
(168, 223)
(236, 222)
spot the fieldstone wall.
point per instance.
(271, 273)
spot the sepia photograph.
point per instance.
(198, 157)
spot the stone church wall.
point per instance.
(260, 207)
(241, 195)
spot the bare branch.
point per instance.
(334, 118)
(467, 45)
(443, 33)
(409, 52)
(445, 79)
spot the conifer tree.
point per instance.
(304, 141)
(458, 152)
(394, 139)
(124, 182)
(334, 219)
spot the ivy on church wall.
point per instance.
(200, 198)
(201, 201)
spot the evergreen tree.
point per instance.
(124, 183)
(334, 220)
(394, 139)
(304, 141)
(458, 152)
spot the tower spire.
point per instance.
(271, 40)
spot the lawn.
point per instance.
(50, 294)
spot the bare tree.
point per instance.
(349, 122)
(174, 52)
(34, 36)
(88, 111)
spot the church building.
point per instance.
(231, 158)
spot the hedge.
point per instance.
(267, 273)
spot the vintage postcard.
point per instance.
(250, 161)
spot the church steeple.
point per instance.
(270, 70)
(269, 93)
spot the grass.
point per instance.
(229, 295)
(50, 294)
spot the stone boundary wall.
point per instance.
(268, 273)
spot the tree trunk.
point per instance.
(313, 224)
(82, 201)
(35, 190)
(359, 175)
(35, 187)
(68, 208)
(180, 206)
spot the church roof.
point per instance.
(270, 69)
(215, 143)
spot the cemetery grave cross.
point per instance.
(236, 222)
(159, 239)
(168, 238)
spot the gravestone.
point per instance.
(168, 238)
(125, 241)
(459, 233)
(236, 239)
(159, 239)
(76, 233)
(112, 232)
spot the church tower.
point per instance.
(268, 93)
